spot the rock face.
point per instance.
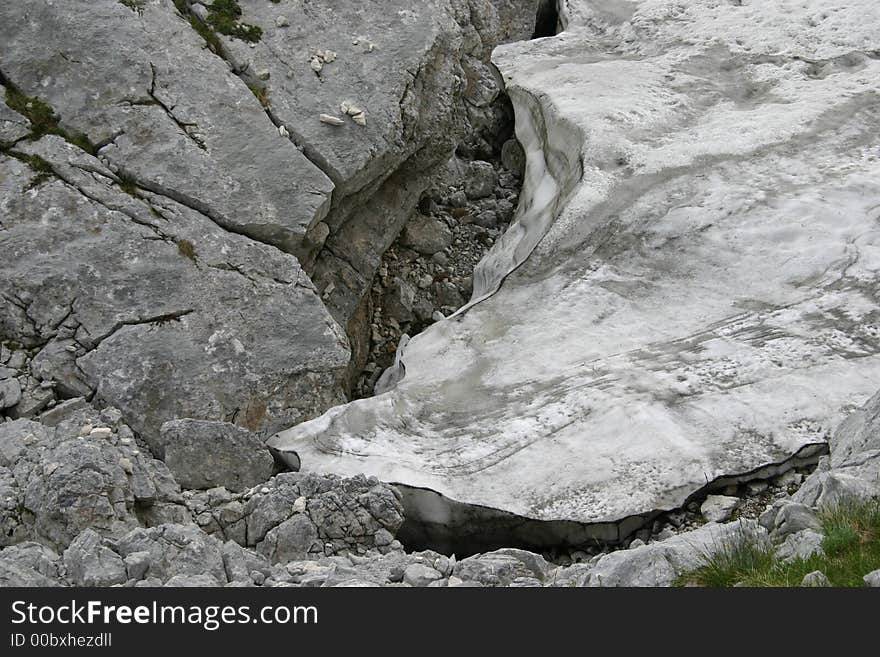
(687, 295)
(152, 306)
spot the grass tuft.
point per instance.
(223, 15)
(43, 119)
(851, 551)
(186, 249)
(136, 6)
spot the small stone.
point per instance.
(481, 180)
(263, 74)
(757, 487)
(85, 430)
(282, 21)
(360, 119)
(331, 120)
(872, 579)
(283, 132)
(438, 316)
(790, 478)
(417, 574)
(316, 64)
(299, 505)
(815, 579)
(101, 432)
(126, 465)
(718, 508)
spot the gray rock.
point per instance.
(793, 518)
(64, 483)
(398, 301)
(420, 575)
(90, 561)
(29, 564)
(815, 579)
(502, 567)
(10, 393)
(718, 508)
(659, 563)
(156, 108)
(427, 235)
(513, 156)
(486, 219)
(802, 544)
(207, 334)
(137, 564)
(191, 581)
(175, 550)
(481, 180)
(203, 454)
(303, 515)
(13, 126)
(872, 579)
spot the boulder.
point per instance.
(802, 544)
(90, 561)
(427, 235)
(481, 180)
(204, 454)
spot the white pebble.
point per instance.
(331, 120)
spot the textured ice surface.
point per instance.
(691, 286)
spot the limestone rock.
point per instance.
(815, 579)
(793, 518)
(62, 483)
(872, 579)
(718, 508)
(427, 235)
(304, 515)
(29, 564)
(481, 180)
(502, 567)
(176, 550)
(164, 313)
(203, 454)
(89, 561)
(802, 544)
(658, 564)
(420, 575)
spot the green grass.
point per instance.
(851, 545)
(223, 15)
(43, 119)
(136, 6)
